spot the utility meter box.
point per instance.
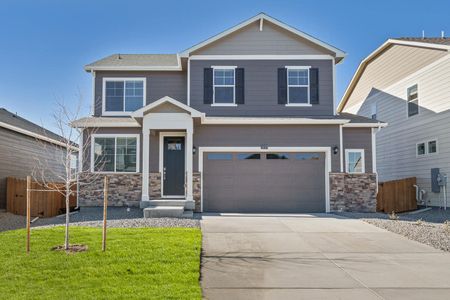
(435, 187)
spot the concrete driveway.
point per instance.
(316, 257)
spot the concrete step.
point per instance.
(188, 214)
(164, 212)
(168, 202)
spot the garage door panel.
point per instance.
(265, 185)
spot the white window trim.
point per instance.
(407, 101)
(233, 86)
(426, 154)
(121, 113)
(363, 159)
(92, 140)
(301, 85)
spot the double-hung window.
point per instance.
(354, 161)
(413, 100)
(123, 95)
(298, 85)
(224, 86)
(115, 153)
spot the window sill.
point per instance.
(224, 104)
(298, 105)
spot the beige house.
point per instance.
(406, 83)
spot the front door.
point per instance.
(174, 166)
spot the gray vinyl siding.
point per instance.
(261, 88)
(359, 138)
(396, 144)
(19, 154)
(272, 40)
(271, 135)
(253, 136)
(159, 84)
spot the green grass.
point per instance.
(140, 263)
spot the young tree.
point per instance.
(61, 163)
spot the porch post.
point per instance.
(189, 163)
(145, 161)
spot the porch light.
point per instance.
(194, 150)
(335, 149)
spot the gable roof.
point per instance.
(263, 17)
(431, 43)
(20, 125)
(140, 112)
(144, 62)
(172, 62)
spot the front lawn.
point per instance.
(140, 263)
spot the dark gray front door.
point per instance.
(264, 182)
(173, 173)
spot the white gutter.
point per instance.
(35, 135)
(369, 125)
(263, 121)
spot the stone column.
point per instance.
(145, 162)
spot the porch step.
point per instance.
(189, 205)
(164, 212)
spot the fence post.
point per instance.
(28, 212)
(105, 208)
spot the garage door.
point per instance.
(264, 182)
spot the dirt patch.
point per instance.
(75, 248)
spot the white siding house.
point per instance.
(417, 138)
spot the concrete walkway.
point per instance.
(316, 257)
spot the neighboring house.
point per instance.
(406, 83)
(22, 143)
(242, 122)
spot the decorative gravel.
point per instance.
(93, 217)
(430, 227)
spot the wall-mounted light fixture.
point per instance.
(335, 149)
(194, 150)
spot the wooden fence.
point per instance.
(397, 195)
(43, 203)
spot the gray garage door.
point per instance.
(264, 182)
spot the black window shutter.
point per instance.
(208, 85)
(282, 86)
(240, 90)
(314, 86)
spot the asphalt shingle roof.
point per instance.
(17, 121)
(430, 40)
(136, 60)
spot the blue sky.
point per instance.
(45, 44)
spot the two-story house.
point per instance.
(242, 122)
(406, 83)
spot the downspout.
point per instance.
(374, 153)
(93, 92)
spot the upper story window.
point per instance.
(298, 85)
(413, 100)
(123, 95)
(224, 85)
(354, 161)
(115, 153)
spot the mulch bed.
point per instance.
(75, 248)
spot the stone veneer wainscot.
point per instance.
(353, 192)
